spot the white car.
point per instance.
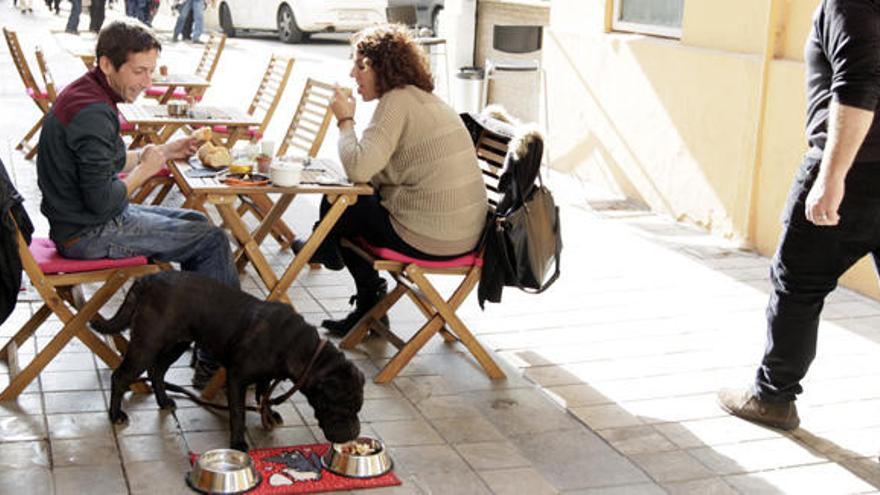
(295, 20)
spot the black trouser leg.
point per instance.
(805, 269)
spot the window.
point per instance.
(660, 17)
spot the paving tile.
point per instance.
(637, 489)
(280, 437)
(141, 448)
(484, 456)
(85, 451)
(637, 440)
(59, 381)
(74, 402)
(202, 441)
(79, 425)
(671, 466)
(577, 395)
(24, 454)
(828, 479)
(450, 482)
(76, 480)
(425, 459)
(446, 406)
(148, 423)
(605, 416)
(755, 456)
(406, 432)
(517, 481)
(712, 486)
(551, 453)
(199, 419)
(22, 428)
(161, 476)
(716, 431)
(467, 429)
(34, 480)
(27, 404)
(387, 410)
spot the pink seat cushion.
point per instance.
(164, 172)
(252, 132)
(42, 95)
(124, 125)
(178, 94)
(392, 255)
(43, 250)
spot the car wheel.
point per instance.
(226, 21)
(288, 31)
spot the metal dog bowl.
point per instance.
(223, 471)
(358, 466)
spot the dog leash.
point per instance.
(265, 401)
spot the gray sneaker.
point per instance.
(743, 403)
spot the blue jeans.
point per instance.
(163, 234)
(198, 10)
(137, 9)
(73, 20)
(808, 262)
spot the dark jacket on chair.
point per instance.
(10, 264)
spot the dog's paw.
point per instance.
(242, 446)
(167, 404)
(118, 417)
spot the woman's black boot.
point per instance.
(363, 302)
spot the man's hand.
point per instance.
(181, 149)
(152, 161)
(824, 200)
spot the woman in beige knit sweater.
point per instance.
(430, 199)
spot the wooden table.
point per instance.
(191, 83)
(154, 125)
(223, 197)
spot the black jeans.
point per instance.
(368, 219)
(808, 262)
(96, 15)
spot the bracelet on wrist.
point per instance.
(344, 119)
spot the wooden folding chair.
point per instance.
(39, 96)
(48, 80)
(207, 65)
(59, 281)
(411, 276)
(305, 135)
(266, 99)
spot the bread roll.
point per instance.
(203, 134)
(214, 156)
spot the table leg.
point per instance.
(265, 226)
(167, 94)
(338, 205)
(226, 207)
(167, 132)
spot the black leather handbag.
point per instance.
(530, 242)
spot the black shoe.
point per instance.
(204, 371)
(363, 304)
(329, 257)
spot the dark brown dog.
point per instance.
(255, 341)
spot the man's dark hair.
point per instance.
(118, 39)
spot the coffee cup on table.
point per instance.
(163, 70)
(286, 173)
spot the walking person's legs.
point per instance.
(808, 263)
(96, 13)
(198, 10)
(73, 20)
(181, 19)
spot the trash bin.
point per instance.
(468, 95)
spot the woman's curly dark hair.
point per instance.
(396, 59)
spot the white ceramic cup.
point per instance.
(286, 173)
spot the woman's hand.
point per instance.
(343, 103)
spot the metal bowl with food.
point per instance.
(224, 471)
(364, 457)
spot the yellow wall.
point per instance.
(674, 123)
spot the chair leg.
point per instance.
(215, 384)
(357, 334)
(447, 312)
(27, 330)
(25, 143)
(427, 310)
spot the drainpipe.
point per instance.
(772, 35)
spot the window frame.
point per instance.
(617, 24)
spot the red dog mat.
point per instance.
(297, 469)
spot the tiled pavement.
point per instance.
(612, 372)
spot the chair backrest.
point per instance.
(310, 121)
(517, 39)
(48, 80)
(491, 151)
(27, 77)
(405, 14)
(270, 89)
(211, 55)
